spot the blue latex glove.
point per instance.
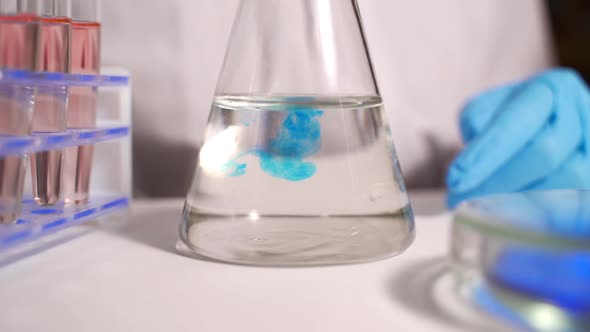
(530, 135)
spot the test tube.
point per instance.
(49, 114)
(82, 101)
(18, 50)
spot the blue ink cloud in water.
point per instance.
(299, 137)
(233, 168)
(292, 169)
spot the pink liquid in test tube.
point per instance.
(50, 108)
(18, 47)
(18, 41)
(81, 110)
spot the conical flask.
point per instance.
(297, 166)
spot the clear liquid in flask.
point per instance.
(297, 181)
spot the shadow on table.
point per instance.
(414, 288)
(31, 248)
(156, 228)
(159, 230)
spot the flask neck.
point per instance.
(303, 47)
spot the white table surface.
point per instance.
(131, 278)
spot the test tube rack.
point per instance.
(37, 221)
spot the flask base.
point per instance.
(296, 240)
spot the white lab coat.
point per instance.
(429, 56)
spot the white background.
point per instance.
(429, 56)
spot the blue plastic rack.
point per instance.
(36, 221)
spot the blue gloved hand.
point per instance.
(530, 135)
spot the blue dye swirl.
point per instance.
(299, 137)
(292, 169)
(233, 168)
